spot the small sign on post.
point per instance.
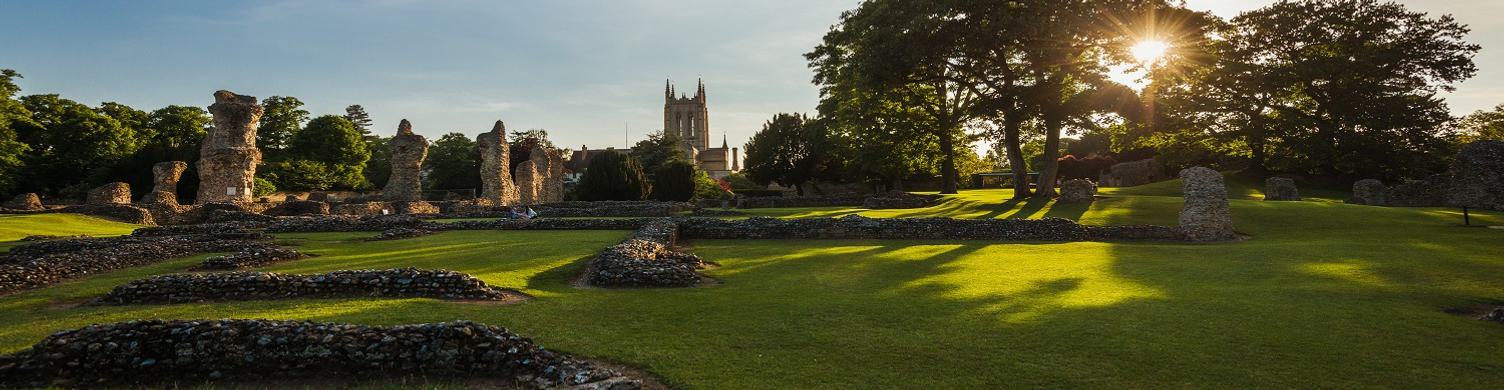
(230, 191)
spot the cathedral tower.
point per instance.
(687, 117)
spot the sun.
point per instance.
(1149, 51)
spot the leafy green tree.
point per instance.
(378, 169)
(333, 141)
(12, 114)
(177, 132)
(172, 133)
(305, 175)
(613, 176)
(282, 118)
(1483, 125)
(453, 163)
(657, 151)
(359, 118)
(877, 48)
(789, 150)
(129, 117)
(675, 181)
(71, 144)
(522, 143)
(1337, 88)
(518, 138)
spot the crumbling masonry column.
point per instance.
(408, 152)
(495, 176)
(227, 166)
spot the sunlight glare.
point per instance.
(1149, 51)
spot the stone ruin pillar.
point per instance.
(553, 186)
(1280, 189)
(1206, 215)
(408, 152)
(227, 166)
(165, 175)
(531, 176)
(495, 177)
(113, 193)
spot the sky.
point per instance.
(590, 72)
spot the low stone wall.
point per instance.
(223, 230)
(42, 264)
(401, 233)
(547, 224)
(158, 352)
(241, 286)
(115, 212)
(1429, 192)
(298, 207)
(251, 257)
(857, 227)
(896, 200)
(714, 212)
(613, 209)
(765, 202)
(646, 259)
(345, 223)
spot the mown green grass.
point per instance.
(1322, 295)
(17, 226)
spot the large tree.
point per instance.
(1481, 125)
(1335, 88)
(789, 150)
(282, 118)
(359, 118)
(71, 144)
(12, 114)
(453, 163)
(658, 150)
(881, 48)
(333, 142)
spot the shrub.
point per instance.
(707, 188)
(612, 176)
(262, 187)
(675, 181)
(308, 175)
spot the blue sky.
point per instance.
(581, 69)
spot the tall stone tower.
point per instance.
(687, 117)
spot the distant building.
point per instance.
(688, 118)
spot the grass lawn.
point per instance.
(1323, 295)
(17, 226)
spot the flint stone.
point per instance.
(28, 201)
(113, 193)
(162, 353)
(1369, 192)
(1206, 215)
(1078, 191)
(1477, 176)
(165, 175)
(227, 168)
(408, 152)
(1134, 173)
(1281, 188)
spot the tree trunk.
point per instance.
(1012, 144)
(948, 173)
(1047, 174)
(1257, 162)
